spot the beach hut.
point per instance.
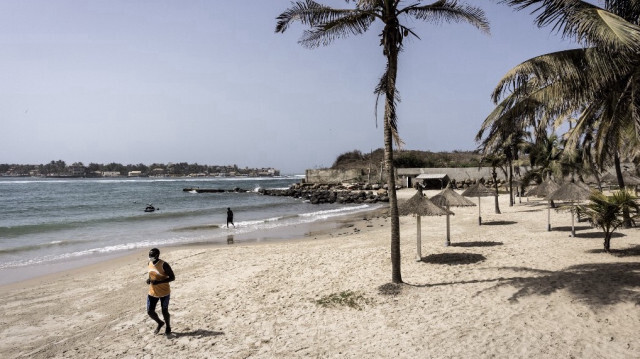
(572, 193)
(419, 205)
(478, 190)
(450, 198)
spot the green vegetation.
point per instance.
(408, 159)
(345, 298)
(608, 212)
(78, 169)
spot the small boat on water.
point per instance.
(150, 208)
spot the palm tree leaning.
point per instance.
(327, 24)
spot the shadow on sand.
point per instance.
(598, 235)
(627, 252)
(596, 284)
(498, 223)
(476, 244)
(198, 333)
(454, 258)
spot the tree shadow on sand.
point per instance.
(598, 235)
(626, 252)
(198, 333)
(454, 258)
(498, 223)
(476, 244)
(596, 284)
(577, 228)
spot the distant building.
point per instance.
(76, 170)
(110, 174)
(134, 174)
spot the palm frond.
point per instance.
(449, 11)
(585, 22)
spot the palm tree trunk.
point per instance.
(495, 185)
(391, 51)
(511, 199)
(607, 242)
(625, 213)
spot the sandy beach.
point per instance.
(506, 289)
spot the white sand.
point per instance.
(507, 289)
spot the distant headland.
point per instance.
(60, 169)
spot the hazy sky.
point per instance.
(210, 82)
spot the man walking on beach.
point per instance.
(230, 217)
(160, 274)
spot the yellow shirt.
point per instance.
(156, 272)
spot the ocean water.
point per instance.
(44, 221)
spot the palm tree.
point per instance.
(327, 24)
(599, 82)
(495, 161)
(607, 212)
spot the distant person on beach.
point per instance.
(230, 218)
(160, 274)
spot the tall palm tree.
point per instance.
(327, 24)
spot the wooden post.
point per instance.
(448, 242)
(549, 217)
(419, 240)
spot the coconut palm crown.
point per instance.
(327, 24)
(597, 84)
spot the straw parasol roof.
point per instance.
(627, 177)
(446, 198)
(421, 206)
(544, 189)
(478, 190)
(569, 192)
(449, 197)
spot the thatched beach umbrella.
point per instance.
(542, 190)
(570, 192)
(478, 190)
(420, 206)
(627, 177)
(450, 198)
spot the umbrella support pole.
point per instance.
(419, 240)
(448, 242)
(549, 218)
(479, 215)
(573, 229)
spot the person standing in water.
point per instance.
(230, 218)
(160, 274)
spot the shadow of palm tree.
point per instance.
(476, 244)
(599, 235)
(626, 252)
(199, 333)
(596, 284)
(568, 228)
(454, 258)
(498, 223)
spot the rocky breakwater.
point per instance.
(330, 193)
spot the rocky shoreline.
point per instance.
(332, 193)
